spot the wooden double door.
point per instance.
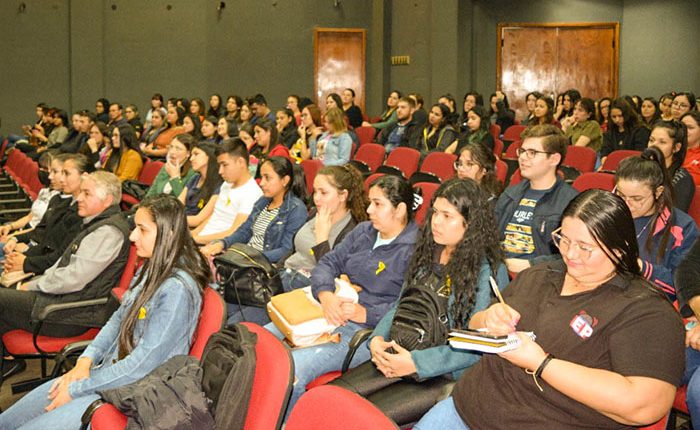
(552, 58)
(339, 63)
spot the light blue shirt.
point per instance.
(332, 150)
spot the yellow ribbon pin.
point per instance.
(228, 202)
(311, 251)
(142, 313)
(380, 267)
(200, 204)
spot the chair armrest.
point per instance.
(73, 348)
(89, 412)
(357, 340)
(70, 305)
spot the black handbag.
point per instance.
(246, 277)
(134, 189)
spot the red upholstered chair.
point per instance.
(427, 189)
(148, 174)
(694, 209)
(591, 180)
(371, 155)
(365, 134)
(211, 319)
(497, 147)
(439, 164)
(581, 158)
(515, 177)
(495, 131)
(33, 345)
(659, 425)
(311, 168)
(330, 408)
(510, 151)
(371, 178)
(501, 171)
(513, 133)
(614, 158)
(404, 159)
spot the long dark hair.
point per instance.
(348, 178)
(174, 249)
(283, 167)
(479, 243)
(486, 160)
(649, 168)
(678, 132)
(631, 119)
(213, 179)
(127, 141)
(269, 126)
(609, 220)
(397, 190)
(549, 116)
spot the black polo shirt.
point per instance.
(622, 326)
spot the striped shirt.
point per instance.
(260, 227)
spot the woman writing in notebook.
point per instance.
(609, 348)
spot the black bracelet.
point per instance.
(545, 362)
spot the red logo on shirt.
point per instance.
(583, 324)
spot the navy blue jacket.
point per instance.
(279, 236)
(380, 271)
(547, 216)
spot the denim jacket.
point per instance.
(279, 236)
(164, 329)
(443, 359)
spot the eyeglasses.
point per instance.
(680, 105)
(564, 244)
(632, 200)
(530, 153)
(464, 165)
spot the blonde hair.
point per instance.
(336, 117)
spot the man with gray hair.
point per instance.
(89, 268)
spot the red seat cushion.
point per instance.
(18, 342)
(679, 402)
(107, 417)
(323, 379)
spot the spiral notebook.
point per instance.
(484, 342)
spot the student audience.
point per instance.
(203, 184)
(226, 129)
(477, 131)
(389, 115)
(478, 163)
(208, 130)
(624, 130)
(471, 99)
(334, 146)
(177, 170)
(132, 117)
(501, 114)
(438, 133)
(544, 112)
(352, 111)
(670, 137)
(683, 103)
(286, 127)
(530, 103)
(406, 131)
(581, 128)
(650, 111)
(124, 158)
(310, 129)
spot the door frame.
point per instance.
(615, 26)
(363, 32)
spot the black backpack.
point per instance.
(420, 320)
(228, 362)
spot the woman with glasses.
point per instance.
(608, 352)
(682, 104)
(664, 234)
(478, 163)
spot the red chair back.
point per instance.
(497, 147)
(495, 131)
(427, 190)
(150, 171)
(132, 263)
(513, 133)
(614, 158)
(581, 158)
(372, 154)
(440, 164)
(501, 171)
(694, 209)
(591, 180)
(365, 134)
(333, 408)
(212, 318)
(272, 384)
(311, 168)
(3, 148)
(510, 151)
(515, 178)
(404, 159)
(371, 178)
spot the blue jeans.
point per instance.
(314, 361)
(28, 413)
(441, 416)
(293, 280)
(692, 378)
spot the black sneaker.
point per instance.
(12, 367)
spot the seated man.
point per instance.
(530, 211)
(406, 131)
(228, 209)
(89, 268)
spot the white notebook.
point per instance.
(484, 342)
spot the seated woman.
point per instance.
(671, 138)
(334, 146)
(173, 126)
(216, 108)
(155, 127)
(275, 219)
(664, 233)
(124, 159)
(650, 112)
(286, 127)
(245, 116)
(208, 129)
(624, 130)
(192, 126)
(374, 256)
(352, 111)
(310, 129)
(665, 104)
(581, 128)
(233, 107)
(530, 102)
(682, 104)
(387, 117)
(477, 131)
(131, 113)
(98, 144)
(155, 322)
(177, 170)
(267, 140)
(198, 108)
(455, 255)
(603, 113)
(476, 162)
(438, 133)
(471, 99)
(566, 107)
(609, 347)
(203, 184)
(692, 157)
(501, 114)
(544, 112)
(226, 129)
(333, 100)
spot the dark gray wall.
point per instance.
(70, 52)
